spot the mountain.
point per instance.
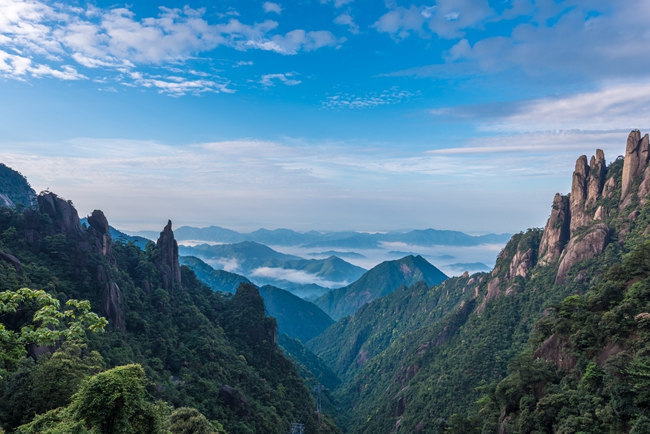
(121, 237)
(14, 189)
(296, 317)
(308, 278)
(247, 255)
(218, 280)
(198, 347)
(351, 255)
(552, 340)
(378, 282)
(344, 239)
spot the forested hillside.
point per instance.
(581, 369)
(198, 349)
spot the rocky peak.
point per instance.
(636, 157)
(63, 214)
(99, 229)
(556, 233)
(597, 172)
(166, 259)
(579, 193)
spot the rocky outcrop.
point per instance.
(166, 258)
(636, 157)
(236, 401)
(11, 259)
(63, 214)
(644, 187)
(101, 232)
(579, 194)
(597, 172)
(521, 264)
(583, 247)
(556, 349)
(112, 300)
(556, 233)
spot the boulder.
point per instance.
(583, 247)
(636, 157)
(556, 349)
(556, 233)
(11, 259)
(100, 231)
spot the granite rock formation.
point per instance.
(557, 232)
(166, 259)
(579, 194)
(583, 247)
(636, 157)
(63, 214)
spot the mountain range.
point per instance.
(345, 239)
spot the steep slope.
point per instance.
(352, 341)
(439, 369)
(378, 282)
(200, 349)
(14, 189)
(296, 317)
(218, 280)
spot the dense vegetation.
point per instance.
(197, 348)
(378, 282)
(14, 189)
(218, 280)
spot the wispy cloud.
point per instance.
(347, 20)
(295, 276)
(270, 79)
(63, 38)
(615, 106)
(371, 99)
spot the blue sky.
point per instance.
(322, 114)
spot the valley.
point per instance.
(397, 347)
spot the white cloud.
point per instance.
(115, 39)
(19, 67)
(269, 79)
(372, 99)
(401, 22)
(272, 7)
(347, 20)
(243, 63)
(614, 106)
(295, 276)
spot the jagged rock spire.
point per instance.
(556, 233)
(597, 172)
(166, 259)
(636, 157)
(63, 214)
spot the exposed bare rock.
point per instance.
(100, 230)
(633, 215)
(597, 172)
(11, 259)
(236, 401)
(644, 188)
(556, 232)
(609, 188)
(113, 304)
(555, 349)
(579, 193)
(521, 264)
(636, 157)
(492, 293)
(600, 214)
(166, 258)
(401, 407)
(611, 349)
(65, 219)
(583, 247)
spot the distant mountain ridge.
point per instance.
(378, 282)
(345, 239)
(264, 266)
